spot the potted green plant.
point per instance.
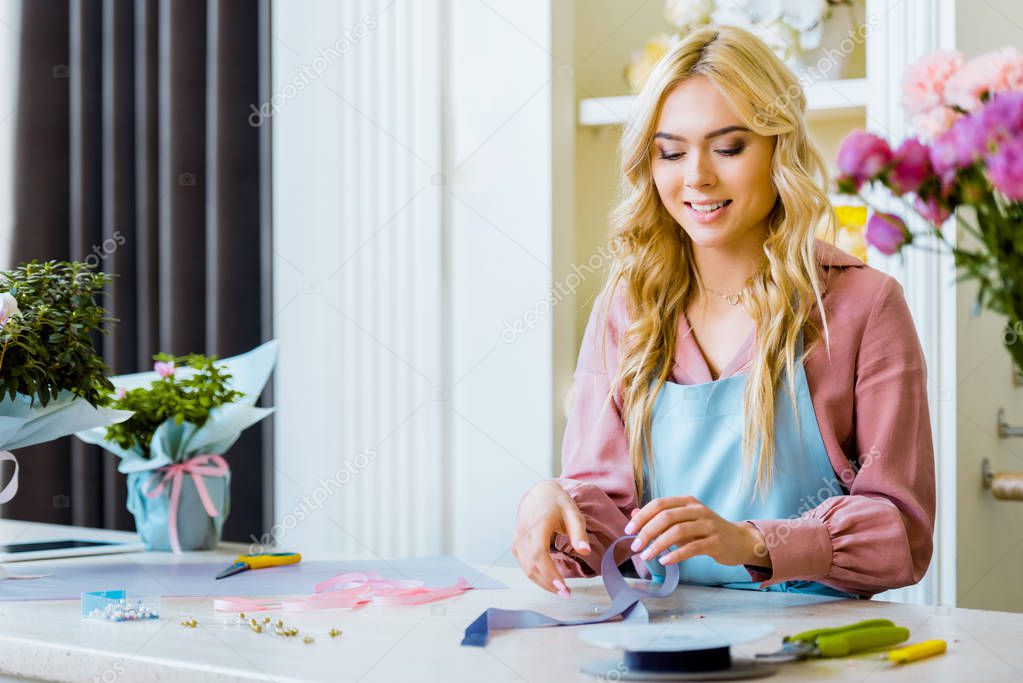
(53, 382)
(187, 413)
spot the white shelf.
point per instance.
(825, 100)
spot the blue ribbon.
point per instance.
(625, 601)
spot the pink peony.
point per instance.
(912, 167)
(931, 124)
(923, 86)
(992, 72)
(861, 157)
(164, 369)
(933, 209)
(887, 233)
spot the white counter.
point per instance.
(49, 640)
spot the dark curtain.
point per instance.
(134, 152)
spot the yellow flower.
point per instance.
(852, 221)
(851, 216)
(642, 62)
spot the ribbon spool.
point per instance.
(678, 651)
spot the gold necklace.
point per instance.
(731, 297)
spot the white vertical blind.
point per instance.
(358, 276)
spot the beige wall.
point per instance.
(606, 31)
(990, 532)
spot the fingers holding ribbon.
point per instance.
(688, 525)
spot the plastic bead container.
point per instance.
(117, 605)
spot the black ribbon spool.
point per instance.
(683, 661)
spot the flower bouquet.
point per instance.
(187, 413)
(52, 380)
(969, 153)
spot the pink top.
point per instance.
(870, 400)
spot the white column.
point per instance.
(358, 273)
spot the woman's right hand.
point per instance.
(544, 511)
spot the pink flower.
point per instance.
(164, 369)
(121, 393)
(887, 233)
(1005, 169)
(931, 124)
(912, 167)
(861, 157)
(992, 72)
(924, 84)
(933, 209)
(8, 307)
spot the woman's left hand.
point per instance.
(695, 529)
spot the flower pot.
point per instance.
(151, 498)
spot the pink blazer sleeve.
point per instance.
(596, 470)
(879, 536)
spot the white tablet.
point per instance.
(64, 547)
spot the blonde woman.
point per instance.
(750, 402)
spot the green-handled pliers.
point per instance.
(839, 641)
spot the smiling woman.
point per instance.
(745, 437)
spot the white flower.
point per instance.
(688, 13)
(804, 15)
(789, 27)
(8, 307)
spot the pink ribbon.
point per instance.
(197, 466)
(349, 590)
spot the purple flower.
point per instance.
(1005, 169)
(861, 157)
(959, 146)
(912, 167)
(933, 209)
(1001, 119)
(887, 233)
(164, 369)
(121, 393)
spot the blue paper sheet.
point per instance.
(71, 578)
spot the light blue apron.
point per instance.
(696, 436)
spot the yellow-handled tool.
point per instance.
(245, 562)
(911, 653)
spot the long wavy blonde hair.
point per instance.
(653, 257)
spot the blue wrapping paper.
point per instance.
(197, 530)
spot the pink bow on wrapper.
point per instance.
(197, 466)
(349, 590)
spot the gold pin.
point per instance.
(307, 640)
(266, 620)
(241, 615)
(256, 627)
(280, 623)
(335, 633)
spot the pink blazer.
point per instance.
(870, 399)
